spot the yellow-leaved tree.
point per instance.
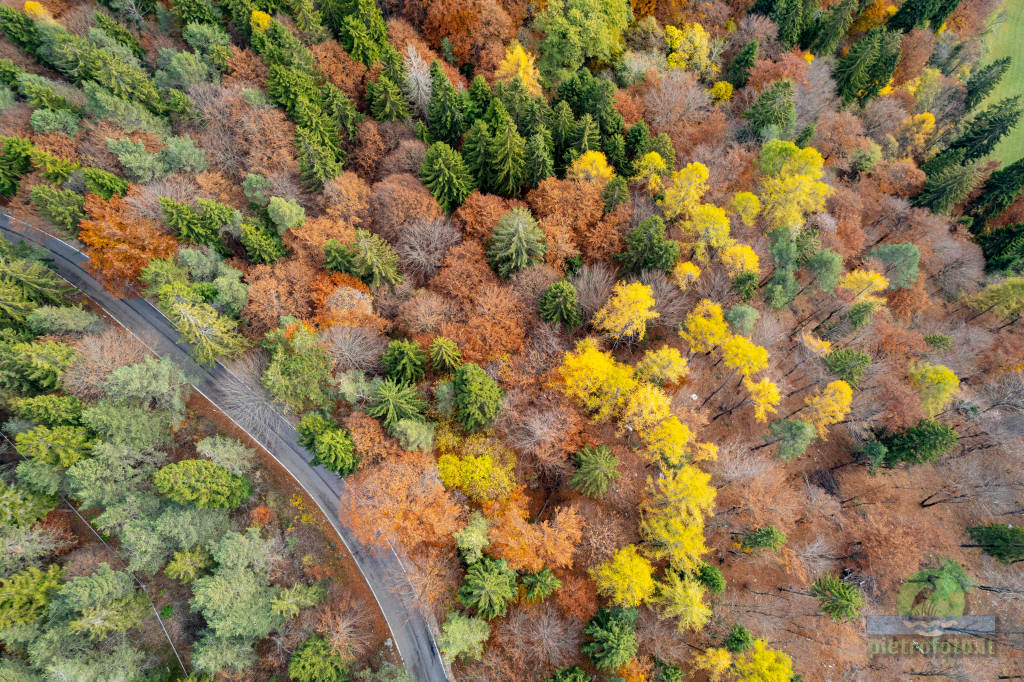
(666, 365)
(709, 225)
(595, 380)
(591, 166)
(765, 396)
(936, 384)
(747, 206)
(645, 408)
(479, 466)
(519, 62)
(626, 314)
(668, 442)
(864, 284)
(690, 47)
(740, 258)
(682, 598)
(684, 192)
(686, 491)
(793, 188)
(685, 273)
(650, 169)
(830, 406)
(627, 579)
(705, 327)
(743, 355)
(715, 661)
(763, 664)
(679, 539)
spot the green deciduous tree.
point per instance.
(462, 637)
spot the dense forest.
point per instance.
(661, 340)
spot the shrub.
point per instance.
(760, 538)
(739, 639)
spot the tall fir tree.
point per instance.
(912, 14)
(539, 164)
(1003, 248)
(983, 81)
(563, 133)
(445, 174)
(446, 111)
(985, 130)
(742, 63)
(868, 66)
(830, 28)
(947, 188)
(1001, 189)
(508, 158)
(789, 15)
(476, 153)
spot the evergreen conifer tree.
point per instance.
(445, 174)
(445, 113)
(742, 63)
(983, 81)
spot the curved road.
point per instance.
(246, 407)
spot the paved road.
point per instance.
(251, 411)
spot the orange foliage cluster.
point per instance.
(283, 288)
(404, 36)
(245, 68)
(119, 246)
(790, 65)
(477, 29)
(400, 500)
(372, 443)
(345, 73)
(398, 200)
(493, 323)
(479, 214)
(532, 546)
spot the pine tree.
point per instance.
(316, 661)
(985, 130)
(476, 154)
(386, 101)
(539, 163)
(445, 113)
(789, 15)
(405, 361)
(445, 356)
(742, 63)
(318, 162)
(445, 174)
(507, 156)
(983, 81)
(901, 262)
(597, 470)
(839, 599)
(517, 243)
(647, 248)
(944, 190)
(477, 397)
(489, 587)
(774, 109)
(1005, 543)
(612, 636)
(830, 28)
(926, 441)
(1003, 248)
(558, 305)
(1000, 190)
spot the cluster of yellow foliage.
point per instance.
(739, 258)
(682, 195)
(830, 406)
(747, 206)
(705, 327)
(685, 273)
(682, 598)
(740, 353)
(626, 314)
(591, 166)
(647, 407)
(259, 20)
(666, 365)
(690, 47)
(765, 396)
(819, 347)
(721, 91)
(674, 510)
(650, 169)
(709, 224)
(936, 384)
(627, 578)
(793, 188)
(479, 466)
(758, 664)
(37, 11)
(596, 380)
(519, 62)
(864, 284)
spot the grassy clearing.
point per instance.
(1007, 39)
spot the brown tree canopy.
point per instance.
(396, 201)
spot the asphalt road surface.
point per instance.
(250, 410)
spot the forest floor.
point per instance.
(1006, 39)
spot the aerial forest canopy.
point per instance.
(658, 340)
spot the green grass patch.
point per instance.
(1006, 38)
